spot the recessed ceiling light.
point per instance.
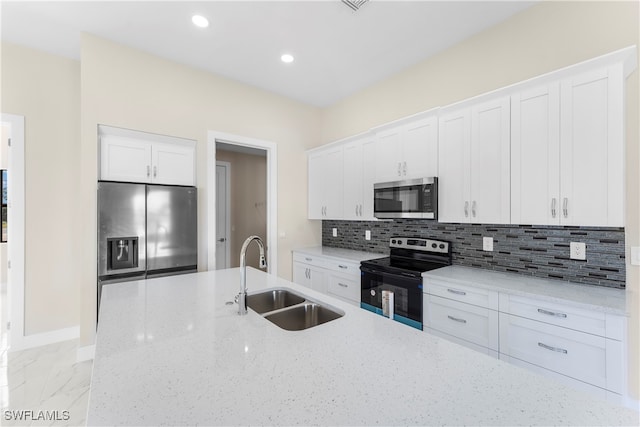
(200, 21)
(287, 58)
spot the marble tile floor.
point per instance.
(43, 385)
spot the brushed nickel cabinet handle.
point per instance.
(343, 285)
(466, 209)
(455, 319)
(148, 171)
(553, 207)
(454, 291)
(155, 171)
(342, 266)
(565, 207)
(473, 208)
(551, 313)
(556, 349)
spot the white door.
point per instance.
(173, 164)
(222, 215)
(353, 163)
(453, 166)
(490, 162)
(389, 155)
(316, 186)
(592, 148)
(535, 156)
(125, 159)
(334, 183)
(368, 178)
(420, 148)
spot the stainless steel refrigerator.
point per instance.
(145, 231)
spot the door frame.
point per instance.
(227, 168)
(272, 194)
(16, 232)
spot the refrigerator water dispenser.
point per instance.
(122, 253)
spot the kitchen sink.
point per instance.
(303, 316)
(273, 299)
(291, 311)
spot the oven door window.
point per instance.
(407, 293)
(398, 199)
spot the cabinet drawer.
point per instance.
(309, 259)
(343, 267)
(476, 296)
(465, 321)
(575, 354)
(344, 286)
(555, 314)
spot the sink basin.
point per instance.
(303, 316)
(273, 299)
(290, 310)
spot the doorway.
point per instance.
(12, 295)
(258, 211)
(223, 214)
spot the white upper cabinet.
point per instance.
(408, 150)
(132, 159)
(474, 157)
(326, 184)
(535, 155)
(358, 179)
(567, 151)
(592, 148)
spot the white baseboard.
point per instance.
(45, 338)
(85, 353)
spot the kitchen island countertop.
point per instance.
(171, 351)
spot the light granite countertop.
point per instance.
(171, 351)
(339, 254)
(596, 298)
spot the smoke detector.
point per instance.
(354, 4)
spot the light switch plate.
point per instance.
(335, 232)
(578, 250)
(367, 235)
(635, 255)
(487, 244)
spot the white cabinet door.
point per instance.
(535, 156)
(353, 180)
(388, 163)
(326, 184)
(316, 186)
(592, 148)
(420, 148)
(311, 276)
(368, 178)
(490, 162)
(454, 166)
(125, 159)
(173, 164)
(301, 274)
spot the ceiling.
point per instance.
(337, 51)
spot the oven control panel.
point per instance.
(419, 244)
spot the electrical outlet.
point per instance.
(335, 232)
(635, 255)
(487, 244)
(367, 235)
(578, 250)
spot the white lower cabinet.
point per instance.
(339, 278)
(582, 348)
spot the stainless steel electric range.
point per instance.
(392, 286)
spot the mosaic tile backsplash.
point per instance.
(541, 251)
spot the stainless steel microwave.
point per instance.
(415, 198)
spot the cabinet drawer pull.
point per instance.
(453, 291)
(343, 285)
(473, 208)
(308, 259)
(466, 209)
(342, 266)
(455, 319)
(565, 207)
(553, 207)
(148, 171)
(556, 349)
(551, 313)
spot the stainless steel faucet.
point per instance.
(242, 296)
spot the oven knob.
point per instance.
(373, 293)
(441, 245)
(393, 241)
(399, 242)
(434, 245)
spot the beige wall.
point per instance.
(248, 202)
(45, 89)
(128, 88)
(546, 37)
